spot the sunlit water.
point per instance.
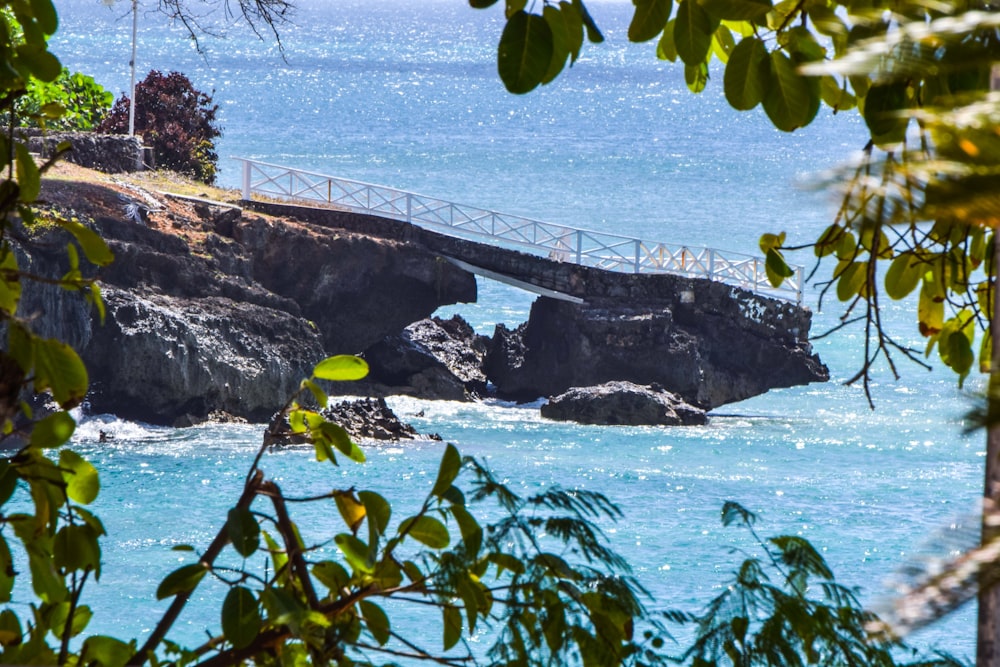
(406, 94)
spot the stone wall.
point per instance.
(110, 153)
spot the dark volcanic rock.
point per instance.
(209, 310)
(371, 419)
(433, 358)
(710, 351)
(623, 403)
(160, 358)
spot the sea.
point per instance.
(406, 94)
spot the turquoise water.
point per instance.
(406, 95)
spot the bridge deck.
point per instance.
(559, 242)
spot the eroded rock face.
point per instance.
(171, 360)
(709, 358)
(432, 358)
(623, 403)
(211, 310)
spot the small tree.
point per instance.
(74, 101)
(176, 119)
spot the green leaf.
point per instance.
(376, 621)
(332, 575)
(649, 18)
(593, 32)
(182, 580)
(693, 29)
(776, 268)
(10, 289)
(76, 549)
(903, 276)
(59, 369)
(317, 392)
(525, 52)
(7, 572)
(930, 313)
(574, 29)
(53, 431)
(29, 179)
(427, 530)
(482, 4)
(733, 512)
(746, 75)
(789, 99)
(452, 625)
(356, 552)
(341, 367)
(107, 651)
(723, 43)
(241, 622)
(279, 559)
(45, 581)
(851, 280)
(45, 15)
(471, 531)
(332, 433)
(696, 77)
(378, 512)
(666, 48)
(836, 96)
(40, 62)
(82, 482)
(738, 10)
(451, 464)
(883, 112)
(553, 15)
(243, 531)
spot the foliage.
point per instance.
(806, 618)
(176, 119)
(73, 102)
(539, 578)
(897, 63)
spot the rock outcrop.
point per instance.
(209, 309)
(370, 419)
(432, 358)
(709, 350)
(623, 403)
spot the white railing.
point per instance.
(558, 242)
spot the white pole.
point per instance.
(131, 106)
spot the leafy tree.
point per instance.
(176, 119)
(784, 609)
(919, 212)
(540, 575)
(73, 102)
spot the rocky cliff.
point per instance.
(211, 308)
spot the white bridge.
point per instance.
(558, 242)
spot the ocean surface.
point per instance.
(406, 94)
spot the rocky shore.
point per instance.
(210, 307)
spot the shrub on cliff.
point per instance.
(74, 101)
(176, 119)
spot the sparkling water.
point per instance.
(407, 95)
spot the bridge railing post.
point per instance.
(579, 246)
(638, 254)
(247, 180)
(409, 208)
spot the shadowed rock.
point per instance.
(433, 358)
